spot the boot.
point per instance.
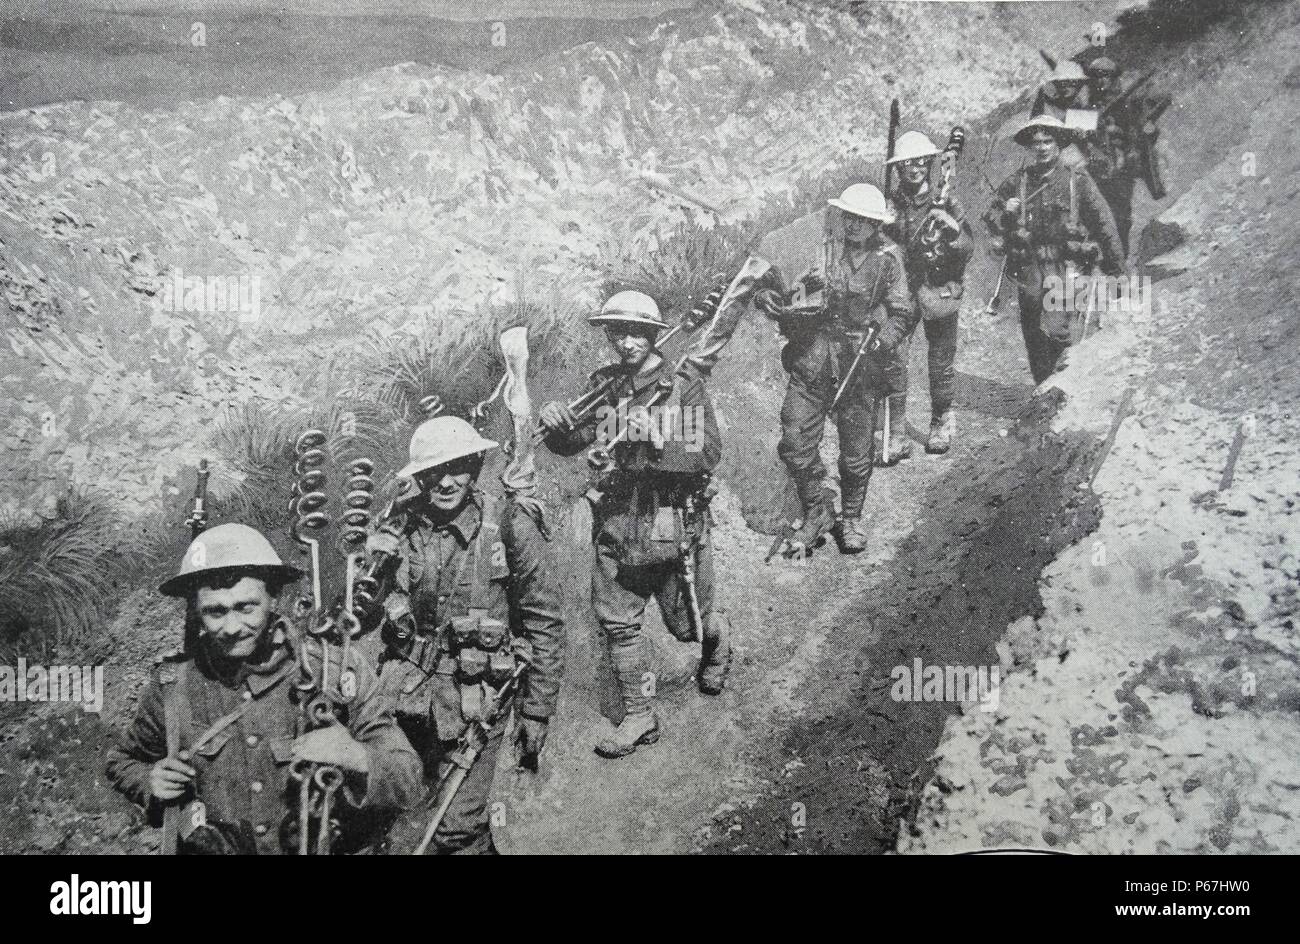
(818, 517)
(942, 428)
(816, 523)
(851, 532)
(853, 535)
(633, 731)
(715, 654)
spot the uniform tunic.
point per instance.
(818, 354)
(243, 773)
(491, 559)
(1047, 212)
(936, 286)
(642, 517)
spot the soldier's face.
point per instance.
(447, 486)
(858, 229)
(234, 619)
(1043, 146)
(914, 171)
(631, 344)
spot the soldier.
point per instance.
(937, 243)
(1065, 89)
(650, 515)
(218, 728)
(1052, 223)
(470, 594)
(866, 285)
(1121, 149)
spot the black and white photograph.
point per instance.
(650, 427)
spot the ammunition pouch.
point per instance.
(481, 646)
(939, 301)
(1017, 246)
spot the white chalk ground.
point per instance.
(1152, 707)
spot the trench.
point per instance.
(968, 569)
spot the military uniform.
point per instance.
(934, 279)
(1116, 153)
(243, 785)
(818, 353)
(473, 594)
(649, 503)
(1060, 205)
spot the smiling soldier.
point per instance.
(837, 358)
(1052, 223)
(651, 522)
(218, 729)
(472, 596)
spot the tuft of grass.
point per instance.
(57, 576)
(457, 358)
(688, 264)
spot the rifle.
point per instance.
(686, 551)
(895, 119)
(197, 522)
(468, 748)
(589, 401)
(1149, 168)
(996, 301)
(928, 233)
(1125, 95)
(198, 519)
(868, 342)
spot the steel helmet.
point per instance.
(863, 200)
(1101, 66)
(226, 547)
(629, 307)
(440, 440)
(910, 145)
(1049, 122)
(1067, 70)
